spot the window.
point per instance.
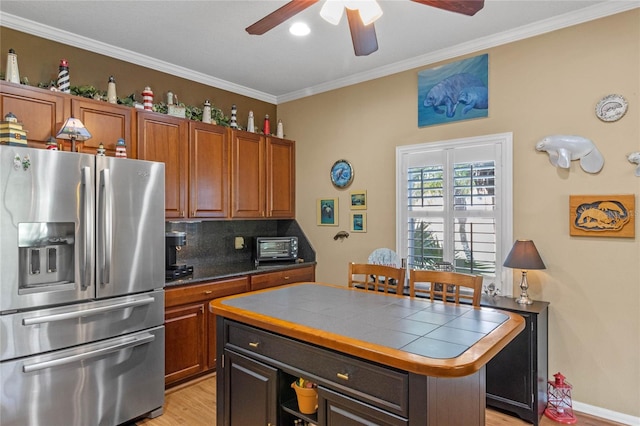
(454, 206)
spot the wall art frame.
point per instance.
(358, 221)
(358, 200)
(454, 92)
(602, 215)
(327, 211)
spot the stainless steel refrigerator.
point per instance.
(81, 288)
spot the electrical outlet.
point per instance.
(239, 243)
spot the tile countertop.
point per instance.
(203, 272)
(412, 334)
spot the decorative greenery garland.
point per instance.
(191, 112)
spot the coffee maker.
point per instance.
(174, 241)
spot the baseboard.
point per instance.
(603, 413)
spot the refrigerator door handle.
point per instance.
(87, 312)
(107, 225)
(126, 343)
(85, 269)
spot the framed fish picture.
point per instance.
(454, 92)
(602, 215)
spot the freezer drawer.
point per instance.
(32, 332)
(103, 383)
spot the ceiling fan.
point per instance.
(360, 15)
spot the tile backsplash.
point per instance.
(214, 241)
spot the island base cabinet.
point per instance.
(256, 369)
(250, 391)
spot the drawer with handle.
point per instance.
(175, 296)
(377, 385)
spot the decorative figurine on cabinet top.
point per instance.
(234, 112)
(121, 149)
(562, 149)
(64, 85)
(11, 132)
(147, 98)
(52, 144)
(12, 74)
(206, 112)
(251, 127)
(112, 98)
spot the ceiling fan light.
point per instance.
(299, 29)
(332, 11)
(369, 10)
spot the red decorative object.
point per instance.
(559, 405)
(267, 128)
(147, 98)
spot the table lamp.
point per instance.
(73, 130)
(524, 255)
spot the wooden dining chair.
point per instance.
(446, 286)
(384, 278)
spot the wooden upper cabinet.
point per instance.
(107, 123)
(164, 138)
(208, 170)
(281, 178)
(40, 111)
(247, 175)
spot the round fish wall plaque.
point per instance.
(341, 174)
(611, 108)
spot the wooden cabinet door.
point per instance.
(247, 175)
(164, 138)
(185, 331)
(40, 111)
(208, 170)
(250, 392)
(107, 123)
(281, 178)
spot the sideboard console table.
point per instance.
(517, 376)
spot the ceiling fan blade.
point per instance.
(278, 16)
(363, 36)
(466, 7)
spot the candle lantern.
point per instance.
(559, 405)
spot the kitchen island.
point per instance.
(377, 359)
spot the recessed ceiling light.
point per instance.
(299, 29)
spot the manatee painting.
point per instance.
(452, 92)
(447, 91)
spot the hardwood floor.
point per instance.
(194, 404)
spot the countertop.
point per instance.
(416, 335)
(203, 272)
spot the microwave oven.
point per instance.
(268, 249)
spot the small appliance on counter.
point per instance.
(276, 249)
(174, 241)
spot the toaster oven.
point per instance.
(269, 249)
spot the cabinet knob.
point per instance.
(343, 376)
(254, 344)
(286, 278)
(208, 292)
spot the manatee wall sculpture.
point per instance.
(634, 158)
(563, 149)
